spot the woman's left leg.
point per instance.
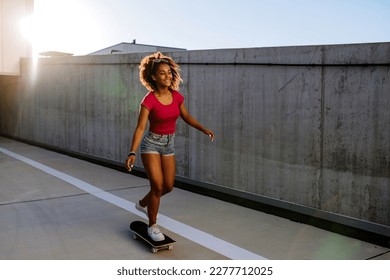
(168, 166)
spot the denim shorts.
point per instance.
(158, 144)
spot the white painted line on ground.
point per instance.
(207, 240)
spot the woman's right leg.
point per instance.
(152, 165)
(168, 169)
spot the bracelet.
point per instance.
(131, 154)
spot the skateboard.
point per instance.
(140, 230)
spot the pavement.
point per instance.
(56, 207)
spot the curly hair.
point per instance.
(147, 69)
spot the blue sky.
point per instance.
(84, 26)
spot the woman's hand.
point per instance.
(209, 133)
(130, 162)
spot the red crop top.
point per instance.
(162, 117)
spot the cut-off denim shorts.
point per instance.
(158, 144)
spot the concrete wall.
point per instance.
(306, 126)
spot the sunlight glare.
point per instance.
(59, 26)
(27, 27)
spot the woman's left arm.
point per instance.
(193, 122)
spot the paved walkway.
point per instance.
(57, 207)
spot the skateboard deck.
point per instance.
(140, 230)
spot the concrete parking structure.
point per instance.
(53, 206)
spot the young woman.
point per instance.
(161, 107)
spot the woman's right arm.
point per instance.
(137, 136)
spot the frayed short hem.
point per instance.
(156, 153)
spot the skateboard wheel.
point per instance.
(170, 247)
(135, 237)
(154, 250)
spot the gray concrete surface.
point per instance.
(43, 217)
(306, 126)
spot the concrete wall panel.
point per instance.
(308, 126)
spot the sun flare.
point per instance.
(59, 26)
